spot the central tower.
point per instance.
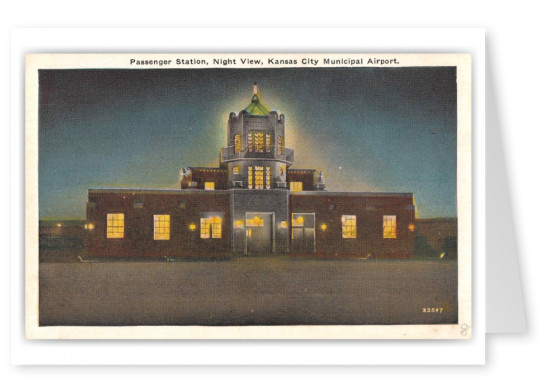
(255, 156)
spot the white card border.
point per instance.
(261, 352)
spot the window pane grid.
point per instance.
(348, 226)
(115, 225)
(211, 227)
(389, 227)
(205, 228)
(161, 227)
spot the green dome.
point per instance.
(256, 107)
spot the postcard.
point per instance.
(248, 196)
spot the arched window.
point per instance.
(237, 143)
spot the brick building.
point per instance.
(253, 203)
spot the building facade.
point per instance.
(253, 203)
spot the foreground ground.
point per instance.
(247, 291)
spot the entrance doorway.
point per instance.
(303, 233)
(259, 234)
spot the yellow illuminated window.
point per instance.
(295, 186)
(216, 226)
(237, 143)
(348, 226)
(258, 177)
(209, 185)
(268, 142)
(161, 227)
(259, 142)
(236, 170)
(280, 145)
(211, 227)
(250, 177)
(250, 144)
(389, 227)
(268, 176)
(115, 225)
(298, 221)
(256, 221)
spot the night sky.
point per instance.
(368, 129)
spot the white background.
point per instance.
(517, 39)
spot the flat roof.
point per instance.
(143, 190)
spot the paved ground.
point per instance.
(247, 291)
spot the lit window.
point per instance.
(295, 186)
(258, 177)
(250, 144)
(250, 177)
(259, 142)
(268, 142)
(209, 185)
(115, 225)
(216, 227)
(236, 170)
(389, 227)
(256, 221)
(237, 143)
(297, 222)
(268, 176)
(280, 145)
(348, 226)
(161, 227)
(211, 227)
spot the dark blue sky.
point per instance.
(369, 129)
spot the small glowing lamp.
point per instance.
(192, 227)
(284, 224)
(323, 227)
(58, 224)
(411, 228)
(238, 223)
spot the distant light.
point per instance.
(89, 226)
(58, 224)
(323, 227)
(283, 224)
(238, 224)
(411, 228)
(192, 227)
(442, 255)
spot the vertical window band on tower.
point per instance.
(268, 176)
(237, 143)
(250, 144)
(259, 141)
(250, 173)
(258, 177)
(268, 142)
(280, 145)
